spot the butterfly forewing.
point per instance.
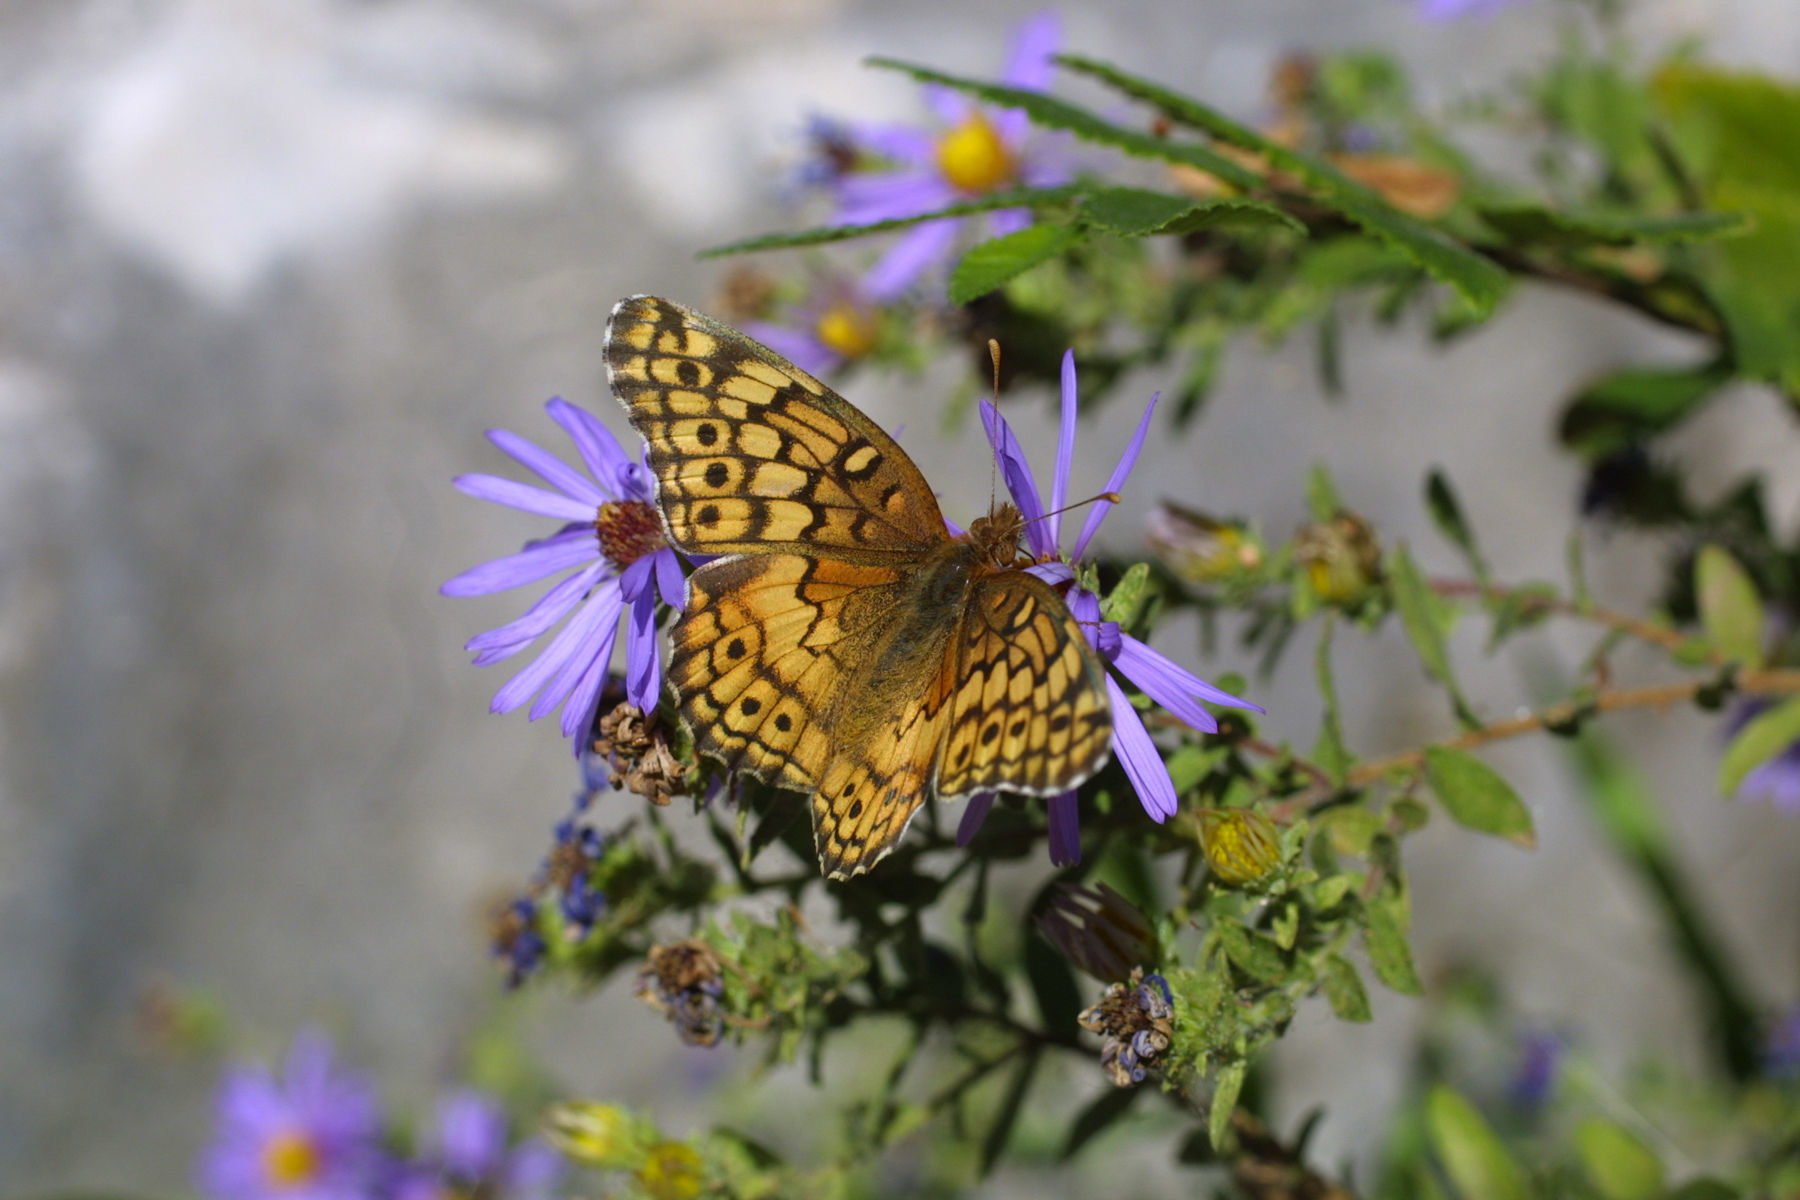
(752, 454)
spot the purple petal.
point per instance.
(551, 469)
(1138, 755)
(1015, 471)
(1009, 220)
(902, 143)
(948, 106)
(523, 496)
(669, 579)
(1055, 574)
(552, 607)
(555, 656)
(532, 1170)
(1065, 452)
(1116, 481)
(974, 813)
(559, 552)
(889, 196)
(1171, 685)
(471, 1134)
(915, 252)
(800, 348)
(599, 449)
(638, 578)
(1065, 830)
(592, 627)
(1028, 65)
(643, 669)
(584, 697)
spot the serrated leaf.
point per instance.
(1251, 952)
(1629, 406)
(1036, 199)
(1618, 1165)
(1389, 953)
(995, 1143)
(1139, 212)
(1481, 282)
(993, 263)
(1731, 612)
(1343, 987)
(1226, 1089)
(1473, 1157)
(1425, 622)
(1767, 735)
(1447, 513)
(1054, 113)
(1093, 1120)
(1543, 226)
(1476, 797)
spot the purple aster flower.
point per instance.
(835, 325)
(1174, 687)
(1781, 1046)
(469, 1155)
(613, 543)
(1450, 10)
(974, 151)
(311, 1135)
(1777, 780)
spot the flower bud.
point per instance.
(1199, 548)
(1241, 844)
(1341, 558)
(599, 1135)
(672, 1172)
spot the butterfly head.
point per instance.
(996, 536)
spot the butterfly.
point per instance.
(844, 643)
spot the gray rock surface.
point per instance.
(266, 272)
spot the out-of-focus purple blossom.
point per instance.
(1174, 687)
(973, 151)
(1778, 780)
(470, 1155)
(518, 942)
(1781, 1046)
(1450, 10)
(1539, 1065)
(834, 326)
(313, 1134)
(613, 545)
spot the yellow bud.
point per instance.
(847, 330)
(973, 158)
(1241, 845)
(598, 1135)
(1341, 558)
(1200, 548)
(673, 1172)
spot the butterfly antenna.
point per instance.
(994, 470)
(1107, 497)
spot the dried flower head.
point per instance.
(637, 754)
(684, 983)
(1136, 1021)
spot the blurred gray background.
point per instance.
(267, 270)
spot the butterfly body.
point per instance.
(845, 644)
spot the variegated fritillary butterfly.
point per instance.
(846, 645)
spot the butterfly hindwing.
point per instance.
(752, 454)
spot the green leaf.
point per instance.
(1351, 828)
(1036, 199)
(995, 1143)
(1530, 223)
(1705, 1189)
(1343, 987)
(1731, 612)
(1330, 753)
(989, 265)
(1425, 619)
(1478, 280)
(1756, 743)
(1389, 953)
(1111, 1104)
(1619, 1165)
(1127, 599)
(1138, 212)
(1476, 797)
(1629, 406)
(1447, 513)
(1252, 953)
(1321, 494)
(1053, 113)
(1226, 1089)
(1474, 1158)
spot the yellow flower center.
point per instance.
(847, 330)
(673, 1172)
(973, 158)
(290, 1159)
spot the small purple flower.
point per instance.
(613, 543)
(1450, 10)
(1777, 780)
(835, 325)
(1540, 1061)
(1781, 1046)
(469, 1156)
(311, 1135)
(976, 150)
(1174, 687)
